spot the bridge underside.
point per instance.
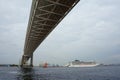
(44, 17)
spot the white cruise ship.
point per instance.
(78, 63)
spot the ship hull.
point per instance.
(83, 65)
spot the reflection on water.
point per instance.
(31, 74)
(26, 74)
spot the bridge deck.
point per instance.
(44, 17)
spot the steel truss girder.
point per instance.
(43, 19)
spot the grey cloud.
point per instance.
(89, 32)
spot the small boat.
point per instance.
(45, 65)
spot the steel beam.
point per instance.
(45, 15)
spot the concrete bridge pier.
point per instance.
(31, 61)
(24, 62)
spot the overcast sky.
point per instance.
(90, 32)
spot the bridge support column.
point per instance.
(22, 61)
(31, 61)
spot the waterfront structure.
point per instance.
(45, 15)
(78, 63)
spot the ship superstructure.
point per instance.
(78, 63)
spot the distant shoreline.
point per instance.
(15, 65)
(9, 65)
